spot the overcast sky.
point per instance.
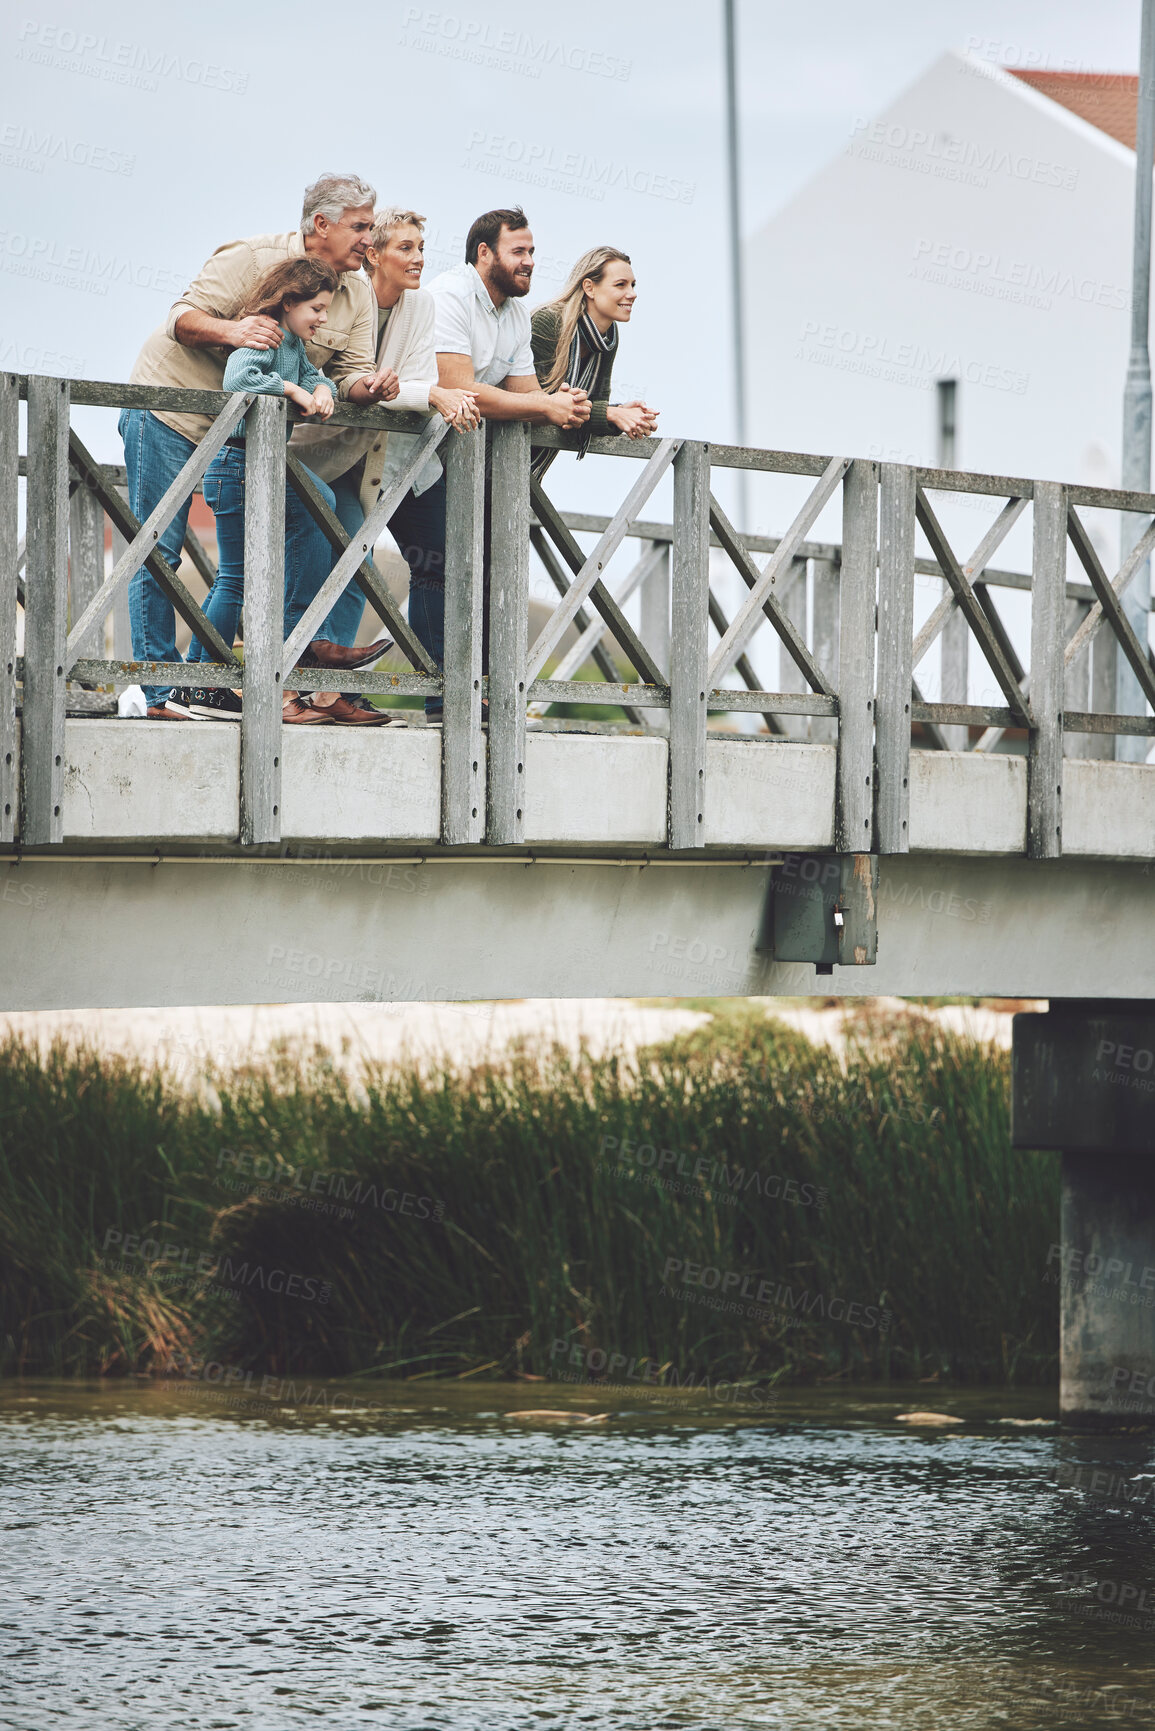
(135, 139)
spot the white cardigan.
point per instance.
(407, 346)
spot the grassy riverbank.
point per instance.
(737, 1204)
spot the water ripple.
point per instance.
(173, 1569)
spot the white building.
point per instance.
(978, 230)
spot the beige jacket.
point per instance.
(343, 348)
(406, 346)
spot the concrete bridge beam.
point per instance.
(1107, 1292)
(1084, 1083)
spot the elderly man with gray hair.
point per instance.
(189, 351)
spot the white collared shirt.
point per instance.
(466, 322)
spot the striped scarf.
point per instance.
(579, 372)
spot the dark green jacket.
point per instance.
(546, 322)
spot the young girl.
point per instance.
(297, 294)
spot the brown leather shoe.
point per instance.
(322, 653)
(300, 710)
(346, 714)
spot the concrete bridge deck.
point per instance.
(442, 927)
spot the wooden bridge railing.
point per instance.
(853, 683)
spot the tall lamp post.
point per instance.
(737, 321)
(1136, 475)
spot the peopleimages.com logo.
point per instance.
(1019, 281)
(1090, 1265)
(185, 1264)
(536, 162)
(876, 354)
(246, 1390)
(924, 150)
(298, 1184)
(29, 148)
(703, 1169)
(741, 1294)
(595, 1367)
(137, 65)
(479, 42)
(48, 259)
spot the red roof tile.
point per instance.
(1107, 99)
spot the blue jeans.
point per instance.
(344, 618)
(418, 527)
(427, 617)
(305, 567)
(154, 456)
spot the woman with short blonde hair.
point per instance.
(360, 467)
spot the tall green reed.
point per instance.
(541, 1215)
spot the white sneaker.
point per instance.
(131, 703)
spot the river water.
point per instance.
(411, 1556)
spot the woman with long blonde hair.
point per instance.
(575, 340)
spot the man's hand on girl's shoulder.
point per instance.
(257, 331)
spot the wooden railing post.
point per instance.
(1104, 653)
(45, 612)
(654, 626)
(655, 607)
(264, 614)
(508, 631)
(86, 562)
(955, 675)
(121, 624)
(462, 741)
(689, 645)
(9, 545)
(895, 643)
(855, 804)
(792, 599)
(1077, 682)
(1048, 644)
(824, 581)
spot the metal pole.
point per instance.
(946, 391)
(1136, 475)
(737, 319)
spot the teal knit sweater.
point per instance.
(267, 371)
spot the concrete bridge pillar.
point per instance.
(1084, 1083)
